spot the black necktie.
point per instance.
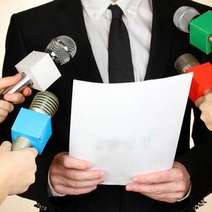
(119, 52)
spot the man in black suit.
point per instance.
(64, 183)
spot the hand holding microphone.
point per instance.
(8, 100)
(17, 170)
(201, 86)
(38, 69)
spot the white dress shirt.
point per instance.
(138, 20)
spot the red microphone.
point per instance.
(202, 75)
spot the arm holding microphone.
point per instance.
(20, 164)
(200, 92)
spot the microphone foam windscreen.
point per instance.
(183, 16)
(62, 48)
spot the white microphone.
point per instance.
(38, 69)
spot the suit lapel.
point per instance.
(161, 40)
(83, 62)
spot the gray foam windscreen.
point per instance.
(184, 62)
(183, 16)
(62, 49)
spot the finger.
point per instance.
(71, 163)
(208, 96)
(158, 177)
(5, 146)
(76, 184)
(167, 197)
(3, 115)
(6, 106)
(8, 81)
(73, 191)
(2, 119)
(16, 98)
(27, 91)
(157, 189)
(32, 150)
(78, 175)
(199, 101)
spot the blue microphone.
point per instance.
(33, 126)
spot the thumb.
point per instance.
(8, 81)
(5, 146)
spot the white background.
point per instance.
(7, 8)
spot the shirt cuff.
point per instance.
(51, 191)
(186, 196)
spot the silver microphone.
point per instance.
(184, 62)
(61, 49)
(43, 102)
(183, 17)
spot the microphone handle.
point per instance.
(25, 81)
(21, 143)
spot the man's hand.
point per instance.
(6, 104)
(205, 105)
(17, 169)
(70, 176)
(167, 186)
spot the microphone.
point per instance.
(202, 74)
(32, 127)
(189, 20)
(38, 69)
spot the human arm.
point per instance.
(17, 170)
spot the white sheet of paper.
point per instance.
(128, 128)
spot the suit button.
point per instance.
(41, 207)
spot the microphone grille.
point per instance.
(61, 49)
(45, 102)
(184, 62)
(183, 16)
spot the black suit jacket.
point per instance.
(33, 29)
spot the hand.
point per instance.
(70, 176)
(167, 186)
(17, 169)
(6, 105)
(205, 105)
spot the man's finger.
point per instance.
(76, 184)
(73, 191)
(158, 177)
(8, 81)
(156, 189)
(71, 163)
